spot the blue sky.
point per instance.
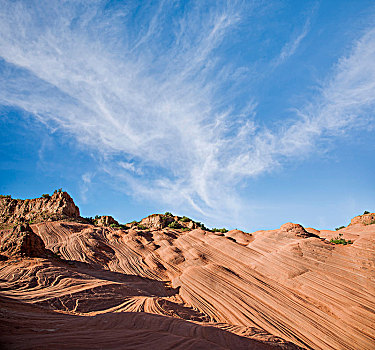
(243, 114)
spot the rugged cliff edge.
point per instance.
(167, 282)
(56, 207)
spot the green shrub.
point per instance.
(141, 227)
(185, 219)
(185, 229)
(340, 240)
(5, 196)
(339, 228)
(90, 220)
(199, 224)
(371, 222)
(366, 212)
(167, 213)
(222, 230)
(174, 224)
(46, 195)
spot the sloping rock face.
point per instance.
(22, 241)
(106, 220)
(59, 206)
(366, 219)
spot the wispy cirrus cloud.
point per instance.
(291, 46)
(143, 92)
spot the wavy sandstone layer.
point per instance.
(181, 288)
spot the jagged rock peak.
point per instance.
(58, 206)
(22, 241)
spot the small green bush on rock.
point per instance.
(222, 230)
(174, 224)
(340, 240)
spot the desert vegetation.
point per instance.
(222, 230)
(174, 224)
(340, 240)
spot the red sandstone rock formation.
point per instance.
(156, 221)
(22, 241)
(169, 288)
(58, 206)
(365, 219)
(106, 220)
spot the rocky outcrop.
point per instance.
(297, 229)
(239, 236)
(58, 206)
(22, 241)
(189, 224)
(106, 220)
(366, 219)
(156, 221)
(160, 221)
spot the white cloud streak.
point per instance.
(146, 98)
(291, 47)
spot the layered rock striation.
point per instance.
(23, 242)
(163, 286)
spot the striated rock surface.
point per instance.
(167, 288)
(58, 206)
(22, 241)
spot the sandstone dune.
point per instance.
(149, 285)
